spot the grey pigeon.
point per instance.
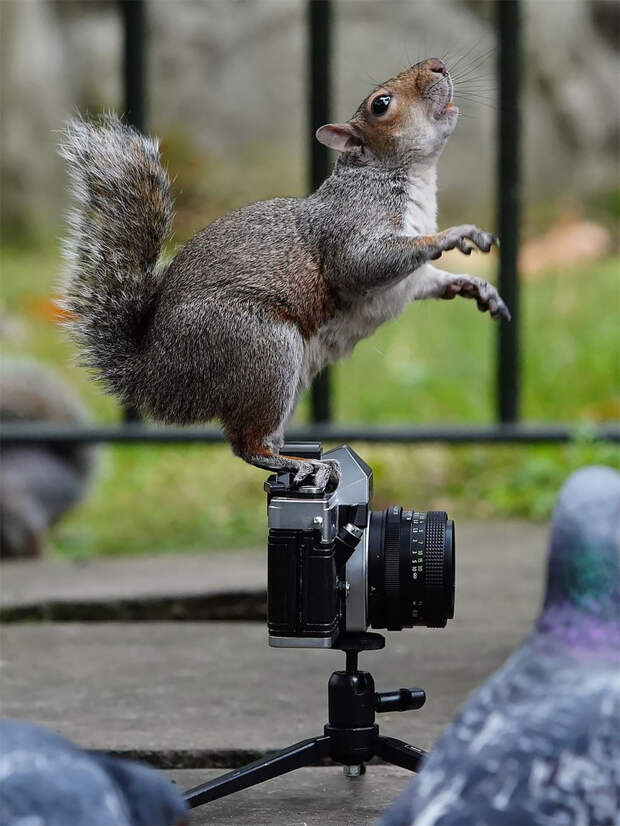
(38, 483)
(539, 743)
(46, 780)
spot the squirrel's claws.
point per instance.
(464, 246)
(498, 310)
(326, 473)
(504, 312)
(466, 237)
(486, 296)
(484, 241)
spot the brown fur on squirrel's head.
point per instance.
(406, 119)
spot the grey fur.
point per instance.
(258, 302)
(121, 218)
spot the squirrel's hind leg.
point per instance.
(259, 403)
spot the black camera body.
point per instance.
(336, 568)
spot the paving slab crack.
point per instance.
(170, 759)
(228, 606)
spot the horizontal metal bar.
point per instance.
(37, 433)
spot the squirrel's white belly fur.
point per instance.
(420, 216)
(337, 338)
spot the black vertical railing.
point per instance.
(508, 205)
(134, 62)
(134, 88)
(319, 26)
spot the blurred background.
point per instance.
(227, 93)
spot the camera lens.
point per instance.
(410, 569)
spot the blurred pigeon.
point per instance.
(47, 781)
(539, 743)
(38, 483)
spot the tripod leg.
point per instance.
(294, 757)
(398, 753)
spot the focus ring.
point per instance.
(392, 568)
(434, 584)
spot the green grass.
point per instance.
(434, 364)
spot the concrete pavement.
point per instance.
(191, 696)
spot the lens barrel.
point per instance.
(410, 569)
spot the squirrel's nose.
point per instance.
(434, 64)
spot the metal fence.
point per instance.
(507, 429)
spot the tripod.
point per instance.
(350, 737)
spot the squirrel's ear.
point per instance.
(339, 136)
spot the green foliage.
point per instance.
(434, 364)
(165, 499)
(152, 499)
(605, 206)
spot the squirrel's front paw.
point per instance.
(465, 237)
(326, 473)
(487, 297)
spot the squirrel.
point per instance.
(258, 302)
(38, 483)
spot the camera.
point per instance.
(337, 568)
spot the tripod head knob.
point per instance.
(402, 700)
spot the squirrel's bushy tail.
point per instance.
(121, 216)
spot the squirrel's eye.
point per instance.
(380, 104)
